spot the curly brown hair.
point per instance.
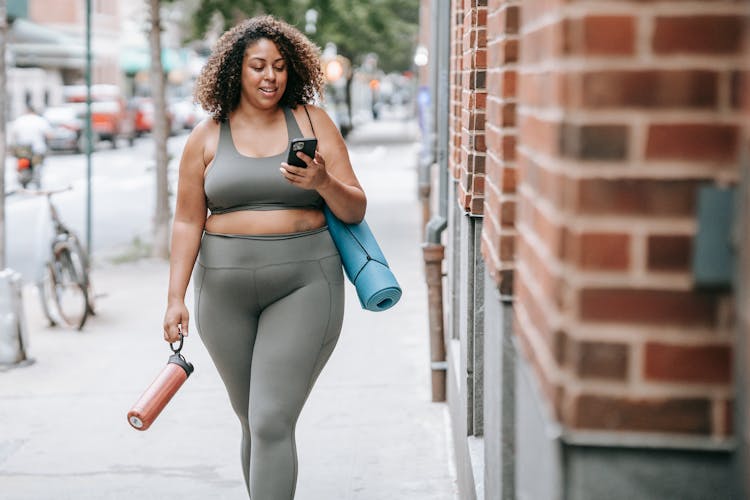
(218, 86)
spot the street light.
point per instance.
(335, 66)
(334, 70)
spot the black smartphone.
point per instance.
(306, 145)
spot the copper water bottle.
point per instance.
(152, 402)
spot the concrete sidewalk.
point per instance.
(368, 431)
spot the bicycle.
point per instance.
(65, 290)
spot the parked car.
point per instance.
(186, 114)
(144, 115)
(143, 108)
(111, 118)
(67, 130)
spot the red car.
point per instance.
(111, 119)
(144, 116)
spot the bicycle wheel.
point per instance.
(46, 291)
(70, 294)
(90, 294)
(81, 263)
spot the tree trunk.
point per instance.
(3, 119)
(160, 133)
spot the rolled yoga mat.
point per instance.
(364, 263)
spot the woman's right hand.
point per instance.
(175, 322)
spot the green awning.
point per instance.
(136, 59)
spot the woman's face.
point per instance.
(264, 74)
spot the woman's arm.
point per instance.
(331, 174)
(187, 228)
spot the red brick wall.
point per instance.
(624, 109)
(456, 82)
(498, 230)
(469, 120)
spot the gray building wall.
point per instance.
(538, 454)
(499, 395)
(465, 346)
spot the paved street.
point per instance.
(123, 193)
(368, 431)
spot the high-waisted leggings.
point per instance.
(269, 311)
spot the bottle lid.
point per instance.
(177, 359)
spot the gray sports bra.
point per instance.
(237, 182)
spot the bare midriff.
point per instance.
(295, 220)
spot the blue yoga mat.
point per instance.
(364, 263)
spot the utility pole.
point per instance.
(3, 119)
(89, 134)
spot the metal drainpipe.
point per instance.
(433, 250)
(425, 160)
(426, 156)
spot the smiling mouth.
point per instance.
(268, 91)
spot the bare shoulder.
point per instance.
(320, 116)
(206, 130)
(203, 140)
(309, 119)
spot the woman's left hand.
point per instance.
(312, 177)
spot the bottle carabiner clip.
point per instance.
(179, 347)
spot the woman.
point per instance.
(268, 282)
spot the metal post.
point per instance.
(3, 118)
(89, 134)
(426, 107)
(441, 66)
(432, 250)
(434, 62)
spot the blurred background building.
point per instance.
(47, 64)
(593, 158)
(47, 49)
(46, 53)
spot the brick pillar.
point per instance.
(456, 79)
(470, 169)
(624, 109)
(500, 185)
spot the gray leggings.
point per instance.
(269, 311)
